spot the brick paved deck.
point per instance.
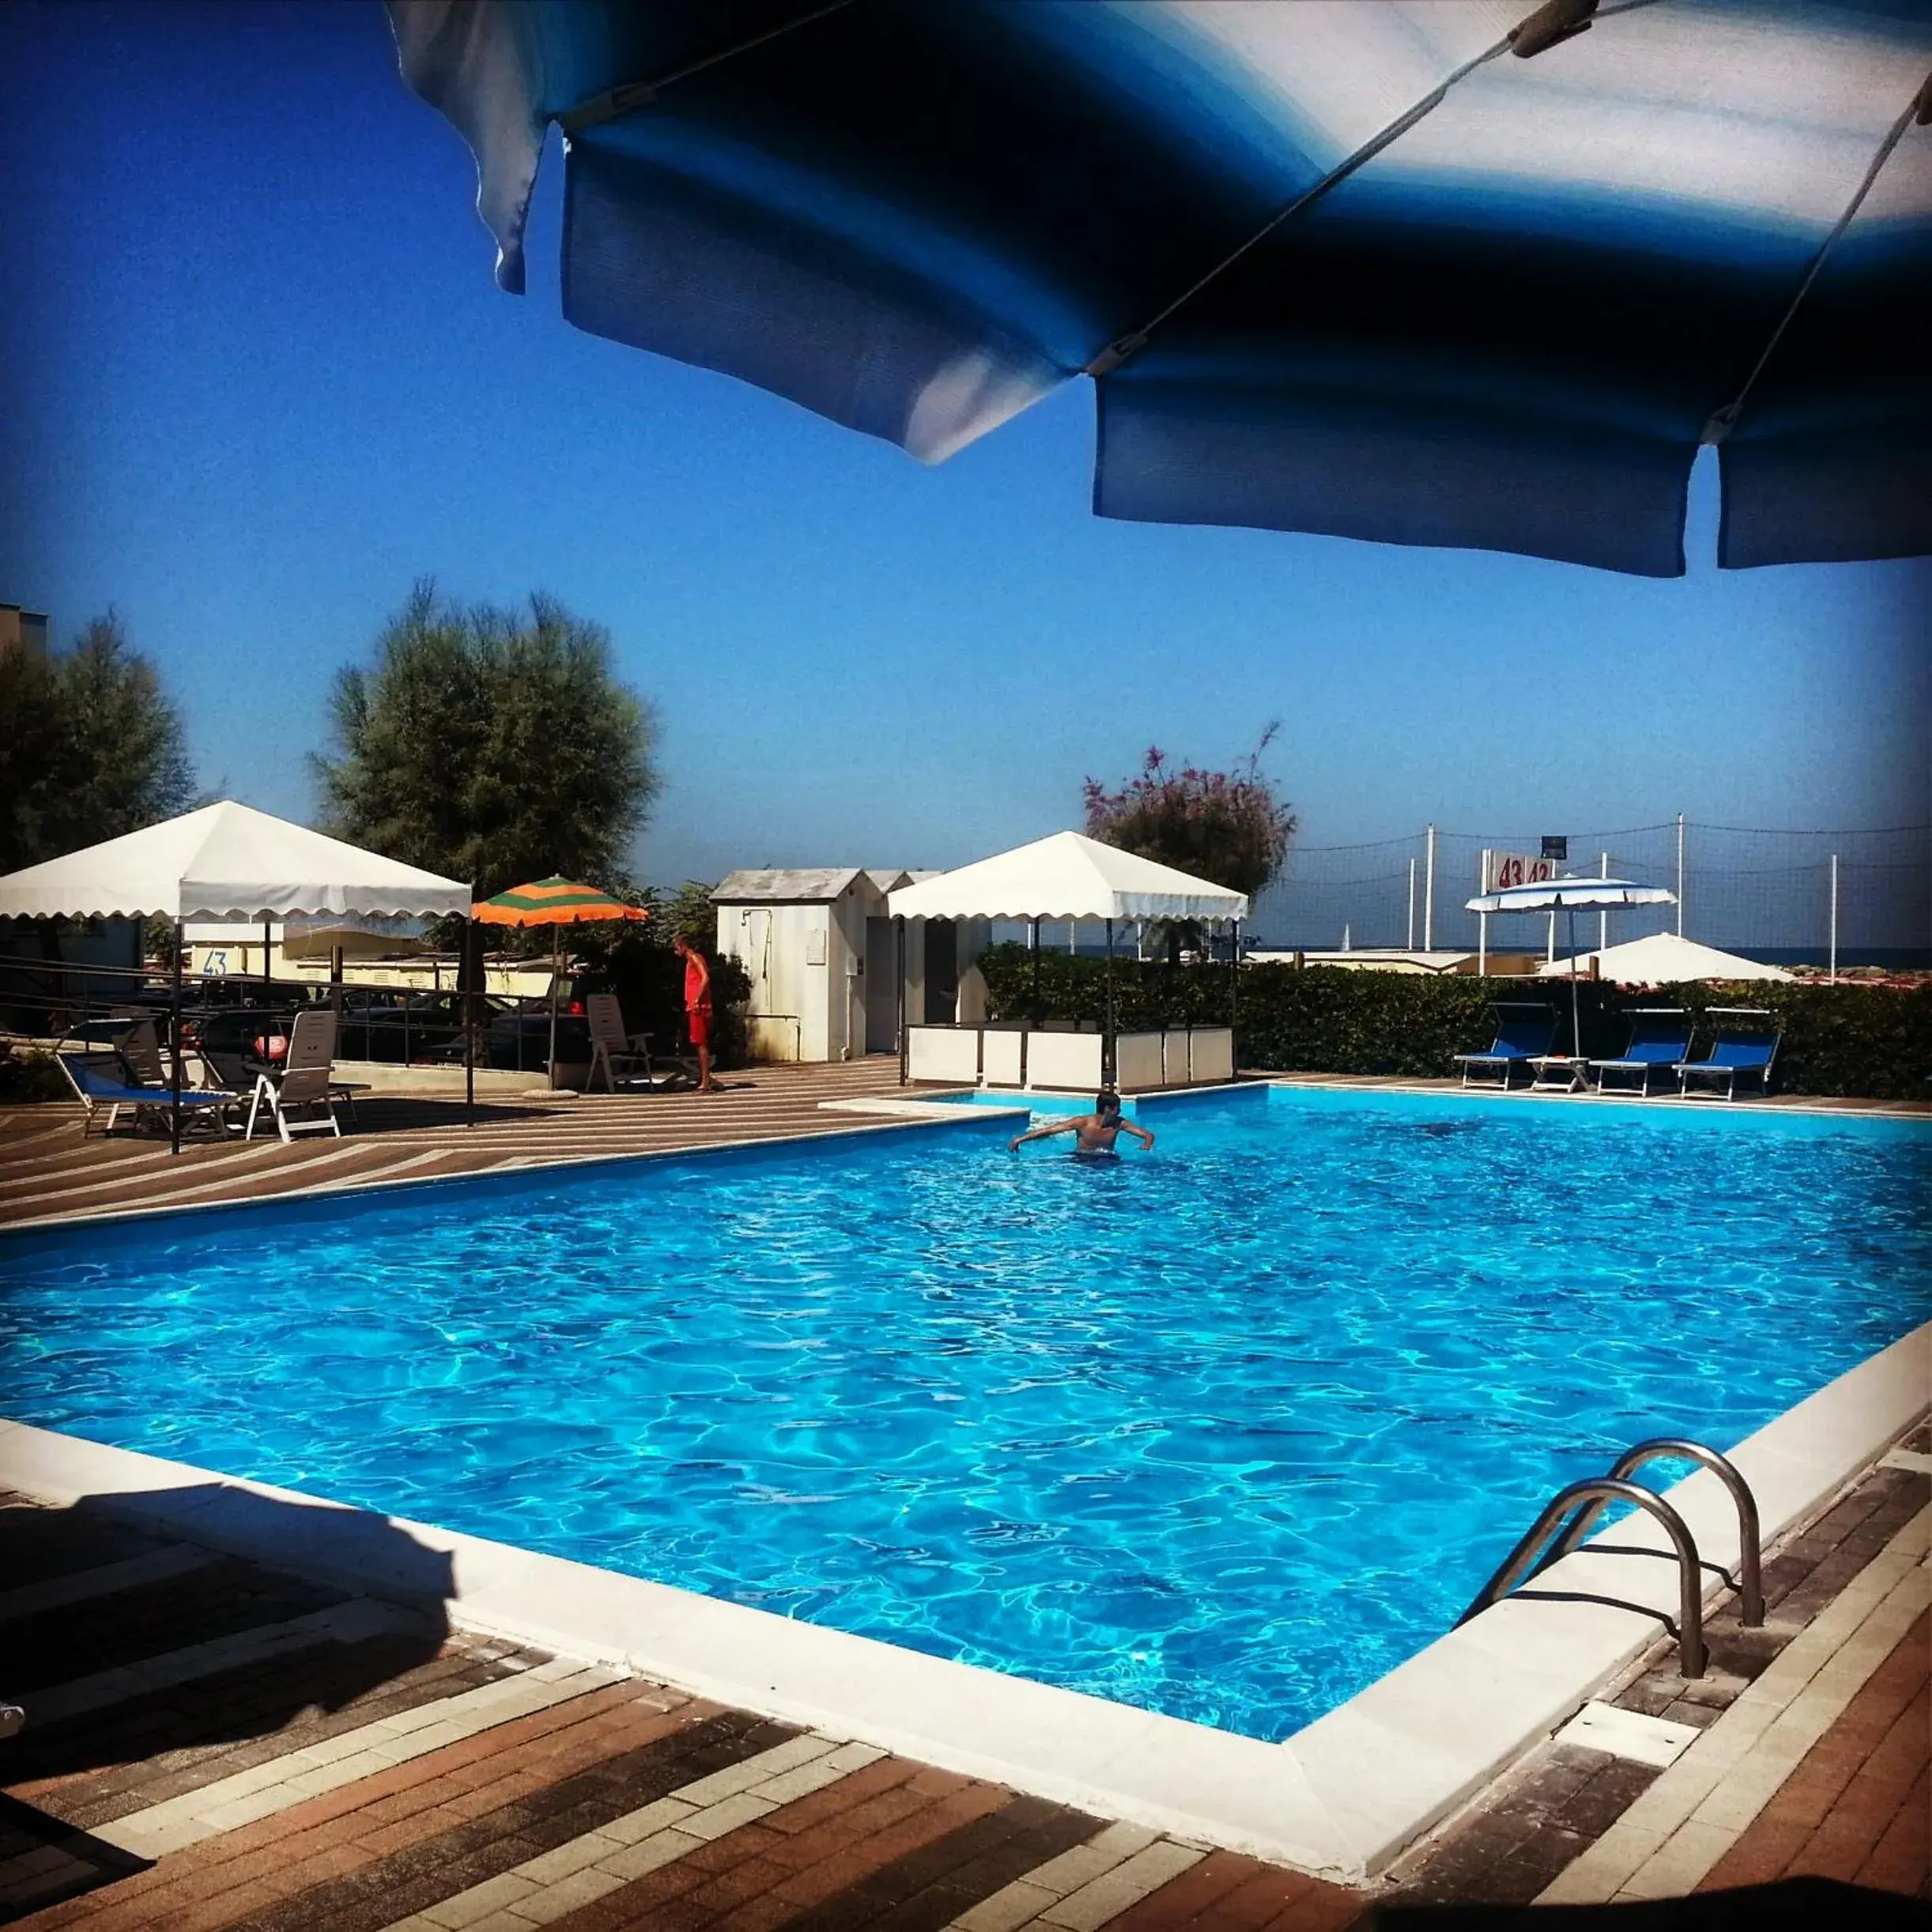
(211, 1747)
(48, 1171)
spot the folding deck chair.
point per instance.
(1660, 1041)
(1737, 1051)
(101, 1083)
(305, 1079)
(1524, 1031)
(612, 1048)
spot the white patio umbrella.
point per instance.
(1661, 958)
(1554, 896)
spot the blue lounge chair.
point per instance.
(1524, 1031)
(1660, 1042)
(1738, 1052)
(100, 1083)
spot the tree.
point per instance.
(1226, 827)
(492, 745)
(91, 747)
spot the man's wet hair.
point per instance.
(1106, 1101)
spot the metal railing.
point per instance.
(1582, 1502)
(1750, 1585)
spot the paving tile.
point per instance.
(1013, 1905)
(1101, 1853)
(1676, 1865)
(1112, 1893)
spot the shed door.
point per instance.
(881, 988)
(942, 972)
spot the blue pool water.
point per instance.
(1226, 1430)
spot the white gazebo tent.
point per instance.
(1661, 958)
(1065, 875)
(225, 861)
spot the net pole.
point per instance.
(1428, 898)
(1834, 965)
(1603, 919)
(1482, 922)
(1680, 875)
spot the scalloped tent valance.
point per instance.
(1067, 876)
(225, 862)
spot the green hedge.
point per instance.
(1873, 1042)
(26, 1076)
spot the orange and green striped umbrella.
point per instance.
(553, 902)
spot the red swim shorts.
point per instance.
(698, 1020)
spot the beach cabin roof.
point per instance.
(226, 862)
(787, 885)
(1066, 876)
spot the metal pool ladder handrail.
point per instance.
(1750, 1578)
(1586, 1499)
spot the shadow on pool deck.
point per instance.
(1808, 1905)
(127, 1633)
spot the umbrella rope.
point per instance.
(1556, 21)
(615, 101)
(1722, 421)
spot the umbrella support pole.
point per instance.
(556, 951)
(469, 1027)
(899, 949)
(1108, 1043)
(1234, 999)
(174, 1041)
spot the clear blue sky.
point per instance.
(255, 377)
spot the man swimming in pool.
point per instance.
(1095, 1133)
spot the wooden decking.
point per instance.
(48, 1171)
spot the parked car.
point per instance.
(520, 1036)
(397, 1025)
(229, 1037)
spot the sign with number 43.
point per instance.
(1500, 871)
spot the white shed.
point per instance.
(819, 948)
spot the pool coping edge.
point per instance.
(1342, 1798)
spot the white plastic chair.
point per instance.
(610, 1045)
(306, 1080)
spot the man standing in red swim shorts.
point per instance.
(697, 1008)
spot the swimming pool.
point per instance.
(1226, 1431)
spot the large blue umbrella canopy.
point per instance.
(1461, 272)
